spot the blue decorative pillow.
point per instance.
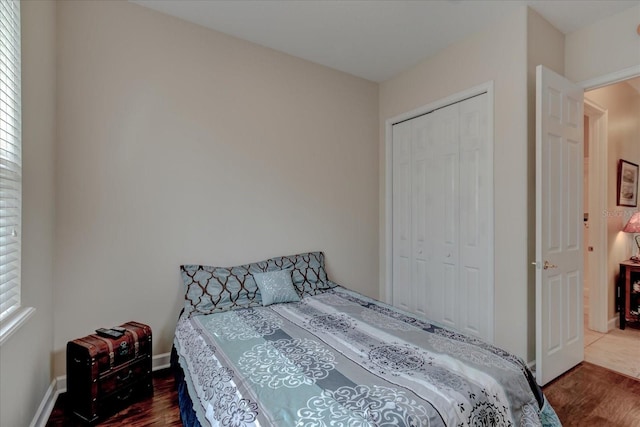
(275, 287)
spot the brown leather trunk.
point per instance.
(104, 374)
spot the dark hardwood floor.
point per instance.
(159, 410)
(588, 395)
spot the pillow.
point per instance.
(308, 273)
(215, 289)
(210, 289)
(275, 287)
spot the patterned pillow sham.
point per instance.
(308, 273)
(276, 287)
(214, 289)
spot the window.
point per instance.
(10, 160)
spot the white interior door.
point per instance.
(559, 269)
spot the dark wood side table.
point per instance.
(627, 298)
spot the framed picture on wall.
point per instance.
(627, 184)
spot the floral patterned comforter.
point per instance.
(341, 359)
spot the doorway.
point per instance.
(612, 132)
(587, 247)
(610, 245)
(596, 296)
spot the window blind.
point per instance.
(10, 157)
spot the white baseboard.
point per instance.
(46, 406)
(59, 386)
(161, 361)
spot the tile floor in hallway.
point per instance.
(618, 350)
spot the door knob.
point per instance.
(548, 265)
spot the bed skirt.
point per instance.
(187, 414)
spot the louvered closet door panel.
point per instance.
(475, 192)
(402, 224)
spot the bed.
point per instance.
(323, 355)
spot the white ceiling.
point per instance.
(372, 39)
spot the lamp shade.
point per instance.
(633, 226)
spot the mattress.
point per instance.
(342, 359)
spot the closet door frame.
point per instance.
(387, 287)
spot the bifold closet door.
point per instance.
(402, 203)
(439, 214)
(425, 208)
(475, 243)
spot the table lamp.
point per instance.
(633, 226)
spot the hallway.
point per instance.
(618, 350)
